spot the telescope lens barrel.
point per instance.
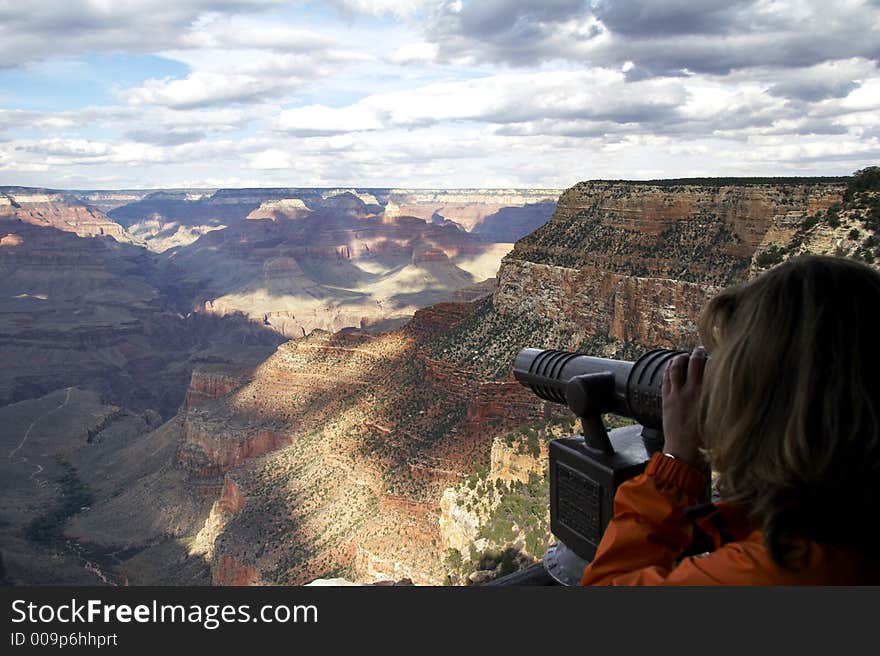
(637, 385)
(547, 372)
(644, 387)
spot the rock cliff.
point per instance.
(295, 260)
(411, 453)
(635, 262)
(338, 266)
(93, 312)
(57, 210)
(621, 267)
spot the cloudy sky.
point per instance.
(491, 93)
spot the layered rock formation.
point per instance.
(465, 507)
(503, 215)
(635, 262)
(375, 456)
(286, 208)
(93, 312)
(85, 304)
(165, 219)
(351, 486)
(340, 264)
(626, 266)
(620, 268)
(70, 310)
(385, 455)
(57, 210)
(295, 260)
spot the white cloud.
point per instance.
(414, 53)
(659, 37)
(246, 34)
(201, 89)
(77, 149)
(11, 164)
(399, 8)
(50, 28)
(865, 98)
(237, 60)
(502, 99)
(496, 92)
(776, 149)
(272, 158)
(318, 119)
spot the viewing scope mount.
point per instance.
(586, 469)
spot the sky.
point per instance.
(115, 94)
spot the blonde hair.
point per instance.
(791, 402)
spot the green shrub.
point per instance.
(809, 221)
(47, 529)
(867, 179)
(770, 257)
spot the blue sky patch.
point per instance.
(56, 85)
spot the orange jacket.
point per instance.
(644, 541)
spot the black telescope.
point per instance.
(586, 469)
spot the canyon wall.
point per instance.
(635, 262)
(375, 455)
(621, 268)
(60, 211)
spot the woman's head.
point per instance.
(791, 400)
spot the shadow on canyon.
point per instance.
(370, 451)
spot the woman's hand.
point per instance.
(682, 384)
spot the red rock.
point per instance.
(226, 570)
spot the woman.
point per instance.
(787, 414)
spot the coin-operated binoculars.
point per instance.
(586, 469)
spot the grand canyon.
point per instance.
(278, 386)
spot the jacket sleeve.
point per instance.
(648, 533)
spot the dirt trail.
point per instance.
(32, 477)
(34, 423)
(79, 551)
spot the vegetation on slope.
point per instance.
(852, 225)
(737, 182)
(487, 341)
(513, 515)
(47, 529)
